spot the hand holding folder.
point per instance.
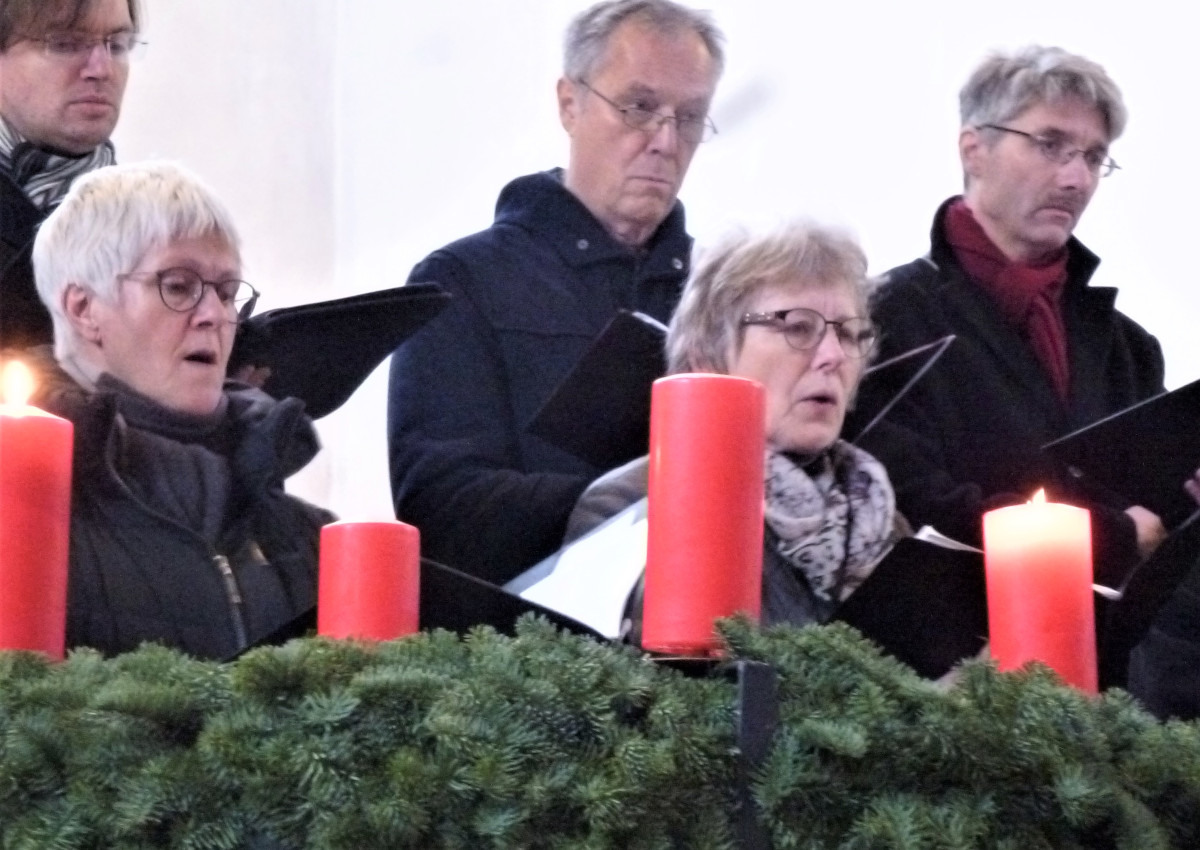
(1145, 453)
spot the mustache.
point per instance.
(1072, 202)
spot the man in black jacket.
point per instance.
(63, 68)
(567, 250)
(1038, 352)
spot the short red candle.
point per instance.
(705, 512)
(1038, 558)
(369, 586)
(35, 521)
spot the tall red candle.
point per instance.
(369, 585)
(1038, 558)
(35, 520)
(705, 512)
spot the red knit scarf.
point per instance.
(1030, 296)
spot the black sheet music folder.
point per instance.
(1127, 620)
(1143, 453)
(925, 604)
(451, 600)
(600, 411)
(321, 353)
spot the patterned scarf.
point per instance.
(1030, 296)
(835, 517)
(44, 175)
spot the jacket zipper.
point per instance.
(235, 597)
(232, 592)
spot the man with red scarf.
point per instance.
(1038, 352)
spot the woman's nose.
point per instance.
(829, 352)
(210, 308)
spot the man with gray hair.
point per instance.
(1038, 352)
(568, 248)
(63, 69)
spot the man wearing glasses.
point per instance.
(1038, 353)
(568, 248)
(63, 68)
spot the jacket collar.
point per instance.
(1087, 312)
(1081, 264)
(541, 204)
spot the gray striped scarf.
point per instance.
(45, 176)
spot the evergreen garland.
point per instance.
(547, 740)
(871, 756)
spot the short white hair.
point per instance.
(110, 219)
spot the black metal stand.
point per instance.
(757, 718)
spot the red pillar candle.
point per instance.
(705, 512)
(369, 585)
(1038, 558)
(35, 520)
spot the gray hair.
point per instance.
(589, 33)
(706, 327)
(1004, 86)
(26, 18)
(109, 220)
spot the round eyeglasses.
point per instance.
(182, 290)
(803, 329)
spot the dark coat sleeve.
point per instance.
(453, 445)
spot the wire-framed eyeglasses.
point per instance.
(693, 129)
(1060, 151)
(77, 46)
(803, 329)
(182, 290)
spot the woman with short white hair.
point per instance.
(181, 532)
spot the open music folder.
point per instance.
(451, 600)
(925, 603)
(1144, 453)
(321, 353)
(600, 411)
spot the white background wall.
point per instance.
(351, 138)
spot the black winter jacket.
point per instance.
(24, 321)
(967, 436)
(530, 294)
(138, 575)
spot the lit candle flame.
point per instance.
(1039, 498)
(18, 382)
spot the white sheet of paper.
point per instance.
(931, 535)
(593, 577)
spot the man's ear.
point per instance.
(971, 150)
(568, 103)
(79, 304)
